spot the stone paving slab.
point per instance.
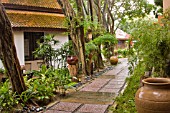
(95, 85)
(115, 72)
(91, 97)
(110, 91)
(56, 111)
(92, 89)
(116, 83)
(66, 106)
(108, 86)
(92, 108)
(117, 80)
(107, 77)
(95, 97)
(118, 68)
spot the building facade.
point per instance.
(30, 20)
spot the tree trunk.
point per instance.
(76, 33)
(104, 15)
(8, 53)
(100, 60)
(91, 10)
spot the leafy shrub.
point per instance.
(122, 52)
(47, 80)
(108, 41)
(63, 80)
(152, 45)
(7, 97)
(2, 71)
(41, 86)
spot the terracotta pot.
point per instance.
(72, 60)
(154, 96)
(113, 60)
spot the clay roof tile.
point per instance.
(36, 3)
(36, 19)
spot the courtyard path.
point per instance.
(97, 95)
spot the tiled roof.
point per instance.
(36, 3)
(36, 19)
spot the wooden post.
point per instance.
(73, 72)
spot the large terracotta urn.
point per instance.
(72, 60)
(154, 96)
(113, 60)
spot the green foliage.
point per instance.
(131, 9)
(152, 45)
(2, 71)
(51, 55)
(122, 52)
(7, 97)
(108, 41)
(90, 47)
(158, 7)
(105, 38)
(151, 49)
(45, 49)
(26, 96)
(48, 80)
(166, 19)
(67, 48)
(132, 59)
(63, 80)
(41, 86)
(61, 54)
(159, 2)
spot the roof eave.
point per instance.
(31, 8)
(39, 29)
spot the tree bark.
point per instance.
(104, 15)
(91, 10)
(8, 53)
(76, 33)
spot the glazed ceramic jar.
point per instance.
(72, 60)
(113, 60)
(154, 96)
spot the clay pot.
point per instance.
(154, 96)
(113, 60)
(72, 60)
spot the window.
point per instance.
(30, 44)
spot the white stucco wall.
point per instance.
(61, 37)
(19, 44)
(1, 65)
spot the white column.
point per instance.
(19, 44)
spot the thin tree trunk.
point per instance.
(76, 33)
(99, 61)
(91, 10)
(8, 53)
(104, 15)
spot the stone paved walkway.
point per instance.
(96, 96)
